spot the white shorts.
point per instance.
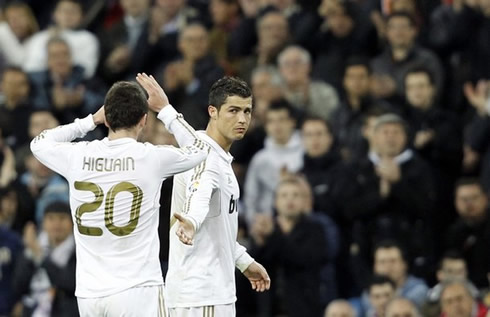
(206, 311)
(146, 301)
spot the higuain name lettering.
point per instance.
(99, 164)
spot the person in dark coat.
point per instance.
(470, 233)
(388, 194)
(44, 277)
(293, 246)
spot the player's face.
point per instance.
(234, 117)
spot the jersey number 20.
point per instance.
(109, 208)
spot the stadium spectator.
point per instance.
(283, 152)
(16, 32)
(470, 233)
(187, 80)
(310, 96)
(84, 45)
(44, 277)
(15, 108)
(62, 88)
(457, 300)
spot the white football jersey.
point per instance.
(204, 273)
(114, 199)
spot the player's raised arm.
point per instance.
(52, 147)
(192, 149)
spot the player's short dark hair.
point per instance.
(377, 279)
(125, 104)
(402, 14)
(226, 87)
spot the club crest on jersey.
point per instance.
(193, 187)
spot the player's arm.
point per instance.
(192, 149)
(52, 147)
(200, 187)
(254, 271)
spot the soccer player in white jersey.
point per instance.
(114, 197)
(203, 237)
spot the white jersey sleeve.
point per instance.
(52, 148)
(242, 258)
(192, 149)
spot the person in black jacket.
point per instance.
(320, 156)
(388, 194)
(44, 277)
(294, 248)
(437, 136)
(471, 232)
(188, 80)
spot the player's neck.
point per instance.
(122, 133)
(219, 138)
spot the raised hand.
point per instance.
(157, 99)
(258, 277)
(99, 116)
(186, 229)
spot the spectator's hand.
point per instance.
(389, 170)
(262, 227)
(157, 99)
(258, 277)
(60, 97)
(422, 138)
(382, 86)
(171, 75)
(99, 116)
(30, 240)
(186, 72)
(384, 188)
(186, 229)
(158, 19)
(478, 95)
(471, 158)
(7, 170)
(286, 225)
(379, 23)
(119, 58)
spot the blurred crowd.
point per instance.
(365, 174)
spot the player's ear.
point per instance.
(213, 112)
(105, 122)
